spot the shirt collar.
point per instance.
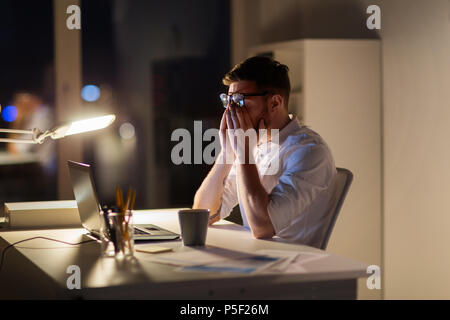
(289, 129)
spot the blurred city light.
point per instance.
(9, 113)
(127, 131)
(90, 93)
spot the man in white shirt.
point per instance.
(283, 184)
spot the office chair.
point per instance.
(344, 179)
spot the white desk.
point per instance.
(37, 269)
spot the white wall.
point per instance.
(416, 76)
(343, 103)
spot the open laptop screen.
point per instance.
(85, 195)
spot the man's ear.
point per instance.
(276, 102)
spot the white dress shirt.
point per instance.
(299, 188)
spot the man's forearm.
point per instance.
(209, 195)
(255, 200)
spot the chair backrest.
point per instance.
(344, 179)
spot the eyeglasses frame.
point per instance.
(242, 101)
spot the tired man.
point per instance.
(284, 181)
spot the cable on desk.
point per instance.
(44, 238)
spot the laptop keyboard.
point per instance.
(150, 230)
(137, 231)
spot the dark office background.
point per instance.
(158, 65)
(26, 65)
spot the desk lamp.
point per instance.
(38, 137)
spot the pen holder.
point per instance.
(116, 231)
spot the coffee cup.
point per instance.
(194, 226)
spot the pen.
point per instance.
(126, 208)
(111, 232)
(119, 199)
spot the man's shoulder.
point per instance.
(305, 145)
(303, 136)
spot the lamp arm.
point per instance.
(37, 136)
(18, 140)
(16, 131)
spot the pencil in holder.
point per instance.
(116, 232)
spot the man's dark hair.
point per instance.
(268, 74)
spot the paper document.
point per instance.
(198, 256)
(246, 265)
(293, 262)
(213, 259)
(286, 258)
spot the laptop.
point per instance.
(89, 207)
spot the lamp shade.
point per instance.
(81, 126)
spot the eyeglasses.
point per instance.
(238, 98)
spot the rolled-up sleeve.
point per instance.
(307, 171)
